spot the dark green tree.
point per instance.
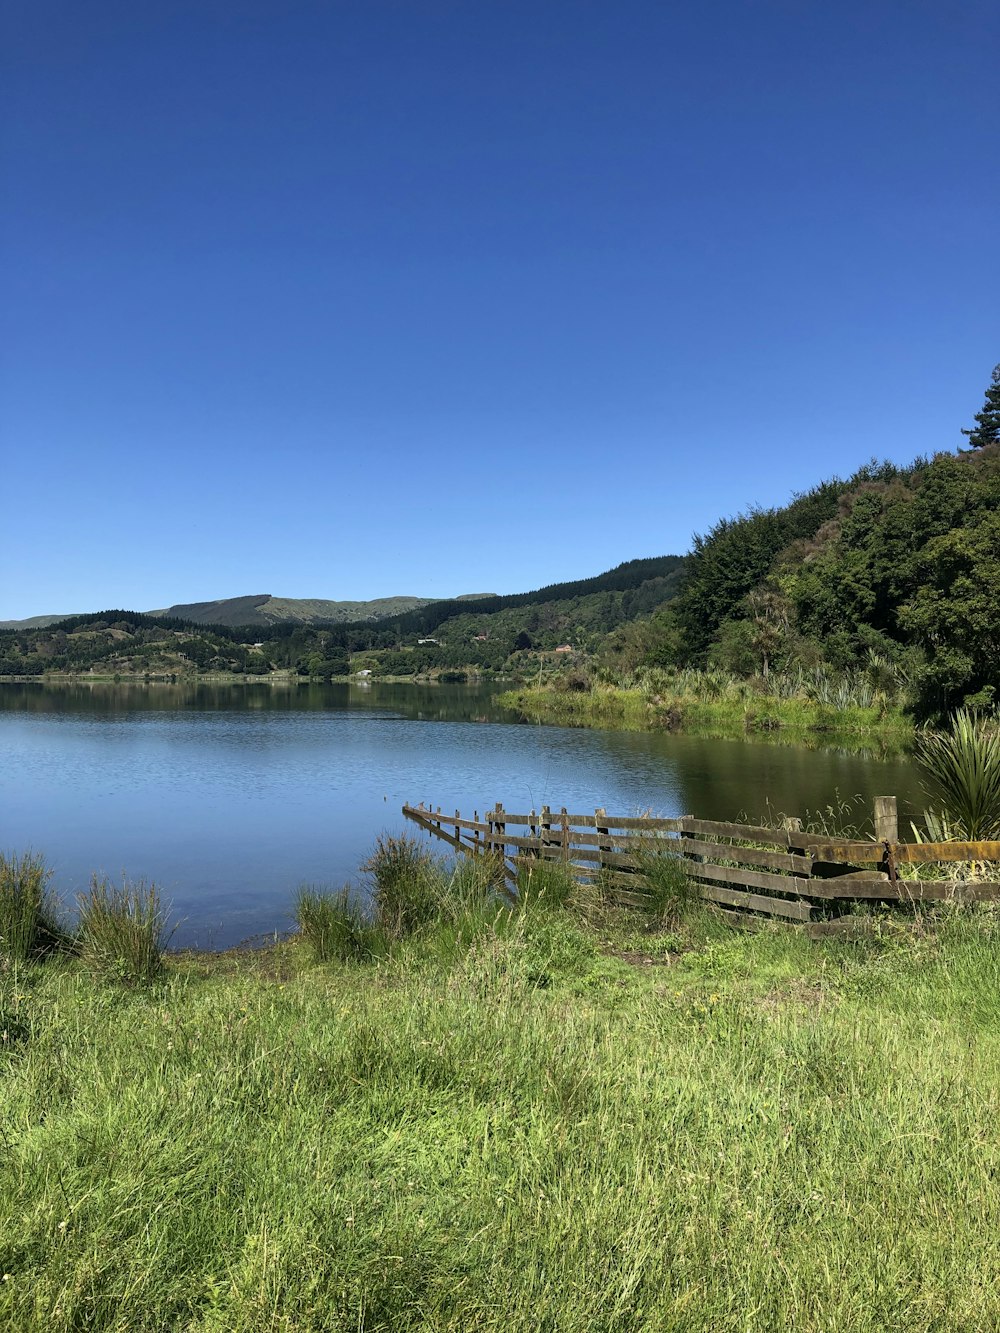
(987, 427)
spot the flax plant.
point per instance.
(962, 767)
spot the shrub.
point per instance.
(573, 682)
(333, 924)
(122, 930)
(407, 885)
(963, 771)
(28, 921)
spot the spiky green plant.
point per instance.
(962, 768)
(476, 882)
(669, 891)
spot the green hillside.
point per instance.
(35, 622)
(483, 632)
(264, 609)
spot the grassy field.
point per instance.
(793, 720)
(561, 1118)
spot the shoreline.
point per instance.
(794, 721)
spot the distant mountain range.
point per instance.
(263, 609)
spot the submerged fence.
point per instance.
(747, 869)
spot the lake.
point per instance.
(230, 796)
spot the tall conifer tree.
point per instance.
(987, 427)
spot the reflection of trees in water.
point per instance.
(447, 703)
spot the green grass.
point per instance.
(795, 719)
(334, 925)
(556, 1122)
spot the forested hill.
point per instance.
(658, 576)
(489, 633)
(897, 569)
(264, 609)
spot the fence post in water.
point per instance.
(532, 833)
(501, 828)
(564, 837)
(544, 831)
(886, 819)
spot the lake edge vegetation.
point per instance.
(466, 1112)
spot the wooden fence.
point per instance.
(783, 873)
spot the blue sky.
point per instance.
(346, 298)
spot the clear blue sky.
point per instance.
(348, 298)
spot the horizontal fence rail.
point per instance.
(744, 869)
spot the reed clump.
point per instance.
(544, 883)
(405, 882)
(335, 925)
(122, 929)
(29, 922)
(669, 891)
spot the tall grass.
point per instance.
(962, 768)
(335, 925)
(670, 893)
(804, 707)
(122, 930)
(406, 884)
(28, 921)
(544, 883)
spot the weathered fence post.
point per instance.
(886, 819)
(887, 831)
(533, 852)
(501, 828)
(603, 847)
(564, 833)
(544, 831)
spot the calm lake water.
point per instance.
(229, 797)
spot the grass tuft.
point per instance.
(545, 884)
(29, 925)
(334, 925)
(407, 884)
(122, 931)
(671, 893)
